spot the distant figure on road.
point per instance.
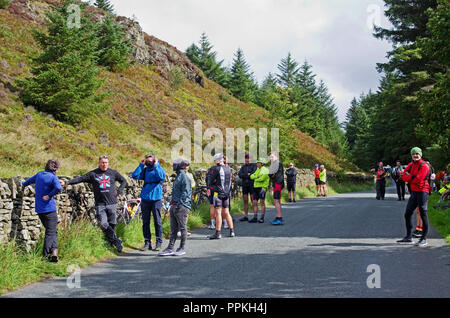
(381, 181)
(103, 180)
(317, 179)
(323, 181)
(399, 183)
(291, 180)
(416, 173)
(47, 186)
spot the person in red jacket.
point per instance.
(416, 174)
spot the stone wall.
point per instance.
(19, 221)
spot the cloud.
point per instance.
(332, 35)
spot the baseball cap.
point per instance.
(218, 156)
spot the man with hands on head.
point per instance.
(153, 174)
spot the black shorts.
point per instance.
(259, 193)
(218, 203)
(317, 180)
(291, 186)
(322, 182)
(247, 189)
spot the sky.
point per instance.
(334, 36)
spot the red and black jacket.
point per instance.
(418, 176)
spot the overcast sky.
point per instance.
(332, 35)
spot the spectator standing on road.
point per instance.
(399, 183)
(276, 175)
(103, 180)
(291, 180)
(416, 173)
(180, 205)
(247, 184)
(152, 173)
(381, 181)
(323, 181)
(261, 184)
(47, 186)
(317, 179)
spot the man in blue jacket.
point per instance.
(47, 186)
(153, 175)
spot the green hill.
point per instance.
(143, 112)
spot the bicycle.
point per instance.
(130, 210)
(199, 196)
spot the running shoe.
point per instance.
(261, 220)
(417, 233)
(243, 219)
(232, 234)
(405, 241)
(212, 227)
(225, 224)
(215, 236)
(179, 252)
(254, 220)
(422, 242)
(166, 252)
(277, 222)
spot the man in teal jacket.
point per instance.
(153, 175)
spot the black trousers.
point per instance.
(381, 188)
(50, 222)
(400, 188)
(417, 199)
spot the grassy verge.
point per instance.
(439, 218)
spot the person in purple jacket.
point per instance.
(47, 186)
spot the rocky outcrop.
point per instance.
(146, 49)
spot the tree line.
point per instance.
(292, 95)
(411, 106)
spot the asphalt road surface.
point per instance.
(328, 247)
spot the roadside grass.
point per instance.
(439, 218)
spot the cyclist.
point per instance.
(210, 194)
(276, 175)
(153, 175)
(323, 181)
(416, 173)
(180, 205)
(400, 184)
(220, 184)
(247, 184)
(47, 186)
(317, 179)
(261, 184)
(291, 180)
(103, 180)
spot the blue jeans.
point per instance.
(148, 208)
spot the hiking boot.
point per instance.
(405, 241)
(254, 220)
(166, 252)
(179, 252)
(118, 244)
(215, 236)
(243, 219)
(422, 242)
(157, 247)
(54, 256)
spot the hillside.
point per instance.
(143, 108)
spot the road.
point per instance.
(323, 250)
